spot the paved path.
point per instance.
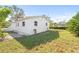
(15, 35)
(12, 36)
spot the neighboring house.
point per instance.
(30, 25)
(62, 24)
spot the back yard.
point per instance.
(51, 41)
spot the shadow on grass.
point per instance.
(34, 40)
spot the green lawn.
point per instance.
(50, 41)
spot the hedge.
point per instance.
(58, 28)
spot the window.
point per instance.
(23, 23)
(35, 23)
(35, 31)
(46, 24)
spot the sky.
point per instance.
(56, 13)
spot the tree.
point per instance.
(62, 23)
(50, 23)
(7, 24)
(4, 12)
(16, 12)
(73, 24)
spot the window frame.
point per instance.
(23, 23)
(35, 23)
(46, 23)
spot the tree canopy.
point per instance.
(4, 12)
(16, 12)
(73, 24)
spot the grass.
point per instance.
(31, 41)
(51, 41)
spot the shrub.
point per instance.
(73, 24)
(58, 28)
(76, 30)
(2, 35)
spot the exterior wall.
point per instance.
(29, 27)
(11, 28)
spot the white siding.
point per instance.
(29, 27)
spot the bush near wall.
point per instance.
(58, 28)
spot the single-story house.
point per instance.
(30, 25)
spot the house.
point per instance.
(30, 25)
